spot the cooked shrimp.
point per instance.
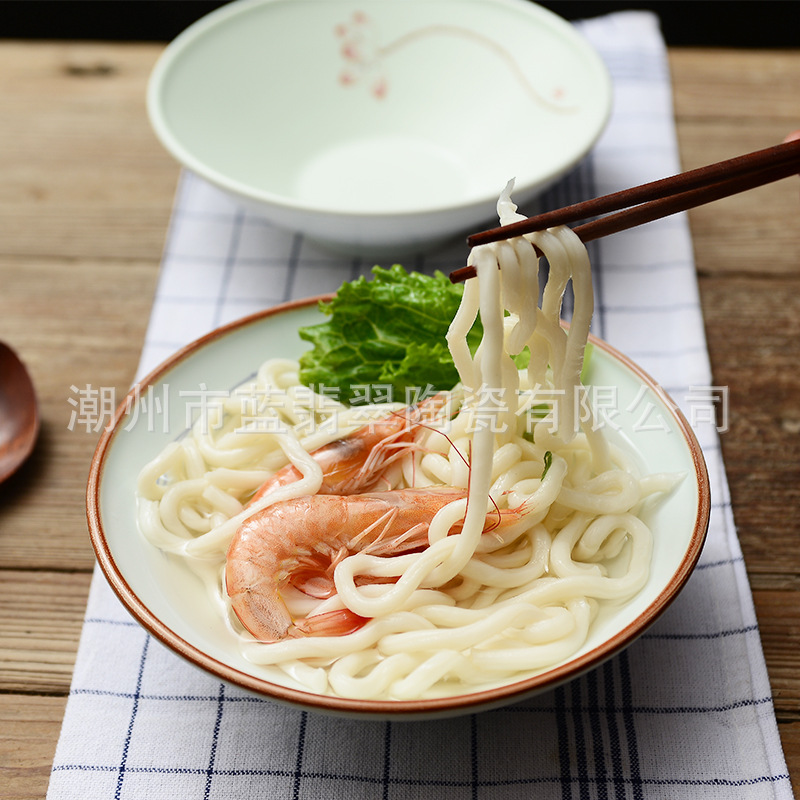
(356, 463)
(300, 542)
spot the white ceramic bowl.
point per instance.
(383, 125)
(172, 605)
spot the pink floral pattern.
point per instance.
(361, 55)
(364, 58)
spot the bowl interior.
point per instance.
(170, 602)
(379, 107)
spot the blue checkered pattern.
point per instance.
(685, 712)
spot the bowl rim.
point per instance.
(205, 25)
(384, 709)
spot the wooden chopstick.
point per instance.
(656, 199)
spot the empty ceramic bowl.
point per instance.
(384, 125)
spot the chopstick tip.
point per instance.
(462, 274)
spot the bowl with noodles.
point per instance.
(469, 554)
(402, 123)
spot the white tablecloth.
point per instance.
(685, 712)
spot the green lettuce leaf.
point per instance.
(385, 337)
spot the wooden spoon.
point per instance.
(19, 412)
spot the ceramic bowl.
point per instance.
(171, 603)
(379, 126)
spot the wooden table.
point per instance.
(85, 198)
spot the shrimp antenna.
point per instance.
(468, 463)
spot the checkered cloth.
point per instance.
(685, 712)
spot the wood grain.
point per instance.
(747, 251)
(83, 175)
(84, 204)
(29, 728)
(728, 103)
(41, 621)
(81, 337)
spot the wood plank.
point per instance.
(753, 329)
(780, 636)
(83, 179)
(88, 341)
(728, 103)
(90, 190)
(83, 174)
(790, 735)
(41, 616)
(721, 84)
(29, 729)
(752, 325)
(729, 237)
(747, 251)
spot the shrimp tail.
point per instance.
(332, 623)
(258, 603)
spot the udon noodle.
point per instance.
(481, 603)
